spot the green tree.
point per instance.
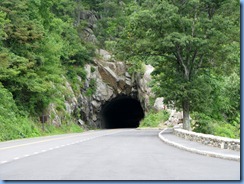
(39, 44)
(187, 42)
(39, 47)
(3, 23)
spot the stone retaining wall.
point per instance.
(207, 139)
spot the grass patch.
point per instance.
(153, 119)
(23, 127)
(67, 128)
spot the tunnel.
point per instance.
(121, 112)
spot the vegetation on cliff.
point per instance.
(38, 45)
(194, 46)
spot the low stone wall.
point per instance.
(207, 139)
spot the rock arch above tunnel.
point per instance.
(108, 80)
(122, 112)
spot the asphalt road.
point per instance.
(121, 154)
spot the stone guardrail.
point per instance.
(208, 139)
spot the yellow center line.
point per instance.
(26, 144)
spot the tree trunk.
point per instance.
(186, 115)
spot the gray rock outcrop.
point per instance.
(105, 80)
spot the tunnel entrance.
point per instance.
(122, 112)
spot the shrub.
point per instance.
(153, 119)
(204, 124)
(92, 88)
(226, 130)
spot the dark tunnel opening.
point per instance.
(122, 112)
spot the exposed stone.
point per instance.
(128, 82)
(108, 76)
(91, 17)
(110, 65)
(159, 104)
(112, 79)
(105, 55)
(143, 89)
(127, 75)
(120, 68)
(210, 140)
(88, 70)
(68, 108)
(148, 70)
(175, 117)
(81, 122)
(54, 117)
(101, 89)
(89, 36)
(94, 117)
(95, 104)
(122, 84)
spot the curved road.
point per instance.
(119, 154)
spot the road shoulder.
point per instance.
(167, 136)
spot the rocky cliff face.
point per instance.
(106, 79)
(112, 80)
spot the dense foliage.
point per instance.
(194, 46)
(39, 44)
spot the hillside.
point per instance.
(46, 44)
